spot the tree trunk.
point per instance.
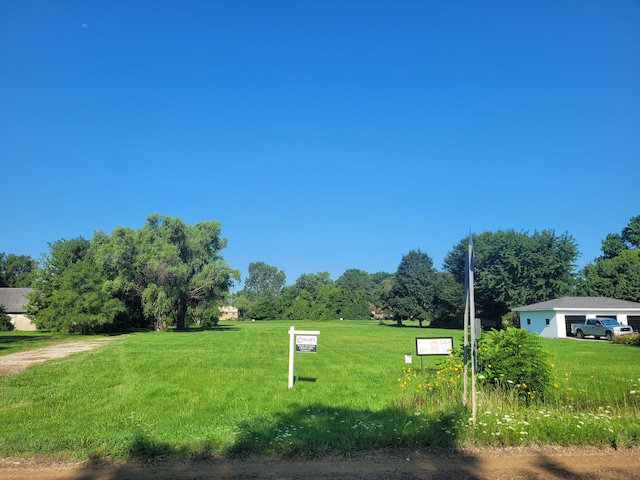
(161, 324)
(181, 315)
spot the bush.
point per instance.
(5, 321)
(513, 359)
(633, 339)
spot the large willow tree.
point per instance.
(159, 273)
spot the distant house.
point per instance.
(228, 312)
(15, 302)
(553, 318)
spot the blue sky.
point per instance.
(323, 135)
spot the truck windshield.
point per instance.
(608, 321)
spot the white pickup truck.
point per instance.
(600, 327)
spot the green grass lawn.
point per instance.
(224, 391)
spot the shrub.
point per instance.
(633, 339)
(5, 320)
(514, 359)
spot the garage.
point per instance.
(634, 322)
(571, 319)
(553, 318)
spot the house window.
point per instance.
(547, 321)
(528, 321)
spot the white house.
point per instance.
(553, 318)
(15, 301)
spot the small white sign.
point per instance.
(434, 346)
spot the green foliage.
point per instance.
(203, 315)
(413, 290)
(631, 233)
(16, 270)
(358, 294)
(514, 359)
(159, 273)
(69, 294)
(354, 296)
(264, 280)
(514, 269)
(5, 320)
(633, 339)
(264, 307)
(616, 274)
(448, 301)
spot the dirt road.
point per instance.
(16, 362)
(490, 464)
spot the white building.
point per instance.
(553, 318)
(15, 302)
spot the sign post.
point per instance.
(307, 342)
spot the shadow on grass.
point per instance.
(13, 341)
(218, 328)
(320, 442)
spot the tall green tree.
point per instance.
(69, 294)
(169, 266)
(448, 301)
(264, 279)
(357, 295)
(165, 273)
(16, 270)
(514, 269)
(616, 274)
(412, 294)
(311, 282)
(296, 303)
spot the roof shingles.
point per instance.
(14, 299)
(571, 303)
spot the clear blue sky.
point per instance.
(323, 135)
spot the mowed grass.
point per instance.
(224, 391)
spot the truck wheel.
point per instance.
(579, 334)
(608, 336)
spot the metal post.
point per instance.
(474, 340)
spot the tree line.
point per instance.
(511, 269)
(168, 273)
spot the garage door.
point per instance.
(634, 322)
(570, 319)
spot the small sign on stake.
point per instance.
(306, 342)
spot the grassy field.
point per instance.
(224, 391)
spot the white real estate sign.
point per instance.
(434, 346)
(306, 339)
(306, 343)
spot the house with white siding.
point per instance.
(553, 318)
(15, 301)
